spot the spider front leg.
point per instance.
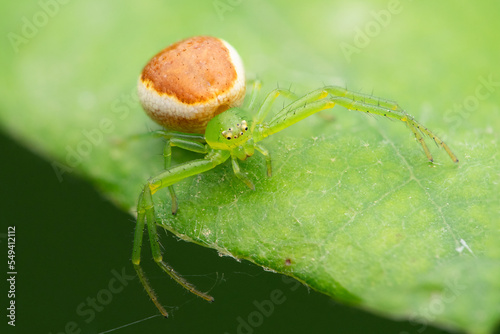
(268, 101)
(319, 100)
(189, 142)
(252, 100)
(265, 108)
(146, 215)
(387, 108)
(292, 115)
(418, 129)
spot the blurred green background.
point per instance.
(81, 57)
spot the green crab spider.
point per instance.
(227, 130)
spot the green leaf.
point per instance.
(353, 209)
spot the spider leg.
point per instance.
(239, 174)
(146, 215)
(167, 159)
(299, 110)
(265, 108)
(256, 86)
(398, 114)
(168, 134)
(136, 256)
(189, 142)
(413, 124)
(266, 155)
(301, 102)
(283, 120)
(337, 91)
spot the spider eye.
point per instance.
(244, 126)
(239, 129)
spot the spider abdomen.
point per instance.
(188, 83)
